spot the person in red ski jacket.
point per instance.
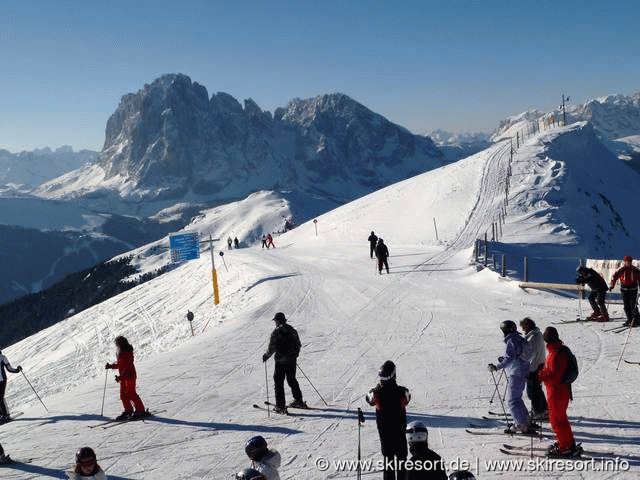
(558, 394)
(270, 241)
(629, 280)
(127, 378)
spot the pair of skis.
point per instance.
(541, 452)
(113, 422)
(273, 405)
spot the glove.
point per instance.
(19, 368)
(500, 359)
(117, 378)
(610, 288)
(107, 366)
(265, 357)
(492, 367)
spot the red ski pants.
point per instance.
(129, 397)
(558, 404)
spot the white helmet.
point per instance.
(417, 432)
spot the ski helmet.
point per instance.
(85, 454)
(508, 326)
(280, 318)
(256, 447)
(250, 474)
(627, 258)
(462, 475)
(417, 432)
(581, 268)
(387, 370)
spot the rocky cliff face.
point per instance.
(169, 139)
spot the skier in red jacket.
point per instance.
(127, 378)
(629, 280)
(558, 395)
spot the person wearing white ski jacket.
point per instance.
(537, 354)
(5, 365)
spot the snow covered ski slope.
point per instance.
(434, 315)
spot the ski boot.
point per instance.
(572, 452)
(124, 416)
(604, 317)
(280, 410)
(298, 404)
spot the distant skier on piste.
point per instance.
(516, 365)
(270, 241)
(373, 241)
(264, 460)
(537, 356)
(5, 367)
(599, 289)
(629, 280)
(285, 344)
(390, 401)
(558, 395)
(382, 253)
(127, 378)
(86, 466)
(431, 464)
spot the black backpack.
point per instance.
(571, 372)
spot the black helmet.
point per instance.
(508, 326)
(280, 318)
(387, 370)
(462, 475)
(256, 447)
(417, 432)
(85, 453)
(250, 474)
(581, 268)
(380, 240)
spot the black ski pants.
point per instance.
(286, 370)
(630, 301)
(383, 262)
(372, 249)
(3, 404)
(393, 444)
(536, 394)
(596, 299)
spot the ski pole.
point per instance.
(305, 376)
(266, 383)
(34, 391)
(504, 410)
(360, 423)
(104, 391)
(496, 389)
(580, 305)
(625, 345)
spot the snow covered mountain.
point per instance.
(460, 145)
(171, 141)
(436, 316)
(615, 119)
(27, 170)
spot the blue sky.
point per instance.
(459, 66)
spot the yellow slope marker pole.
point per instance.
(214, 275)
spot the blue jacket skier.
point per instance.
(516, 365)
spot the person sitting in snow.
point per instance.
(599, 289)
(127, 379)
(86, 466)
(516, 365)
(264, 460)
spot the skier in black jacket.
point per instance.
(4, 367)
(390, 400)
(373, 240)
(285, 343)
(598, 293)
(382, 253)
(426, 464)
